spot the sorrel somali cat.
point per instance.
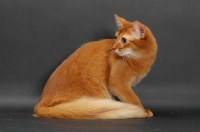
(83, 86)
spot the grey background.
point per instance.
(37, 35)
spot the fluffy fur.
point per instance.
(82, 87)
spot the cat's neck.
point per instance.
(132, 64)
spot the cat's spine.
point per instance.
(89, 108)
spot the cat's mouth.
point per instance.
(119, 52)
(127, 52)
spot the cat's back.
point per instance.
(95, 48)
(91, 53)
(84, 69)
(89, 58)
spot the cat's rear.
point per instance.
(79, 87)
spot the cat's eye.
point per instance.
(123, 40)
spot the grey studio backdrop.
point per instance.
(37, 35)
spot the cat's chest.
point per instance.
(138, 73)
(136, 78)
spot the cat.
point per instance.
(84, 85)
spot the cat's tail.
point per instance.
(89, 108)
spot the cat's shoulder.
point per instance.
(103, 41)
(100, 43)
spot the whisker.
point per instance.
(110, 52)
(129, 61)
(124, 58)
(109, 56)
(113, 27)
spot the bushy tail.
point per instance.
(89, 108)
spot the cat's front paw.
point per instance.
(149, 113)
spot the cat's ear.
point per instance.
(139, 30)
(120, 22)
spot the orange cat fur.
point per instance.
(83, 85)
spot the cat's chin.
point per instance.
(119, 53)
(127, 54)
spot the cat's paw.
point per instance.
(149, 113)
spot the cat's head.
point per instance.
(134, 39)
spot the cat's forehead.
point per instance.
(125, 34)
(128, 36)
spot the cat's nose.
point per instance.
(113, 49)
